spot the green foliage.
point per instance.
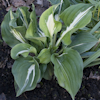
(68, 68)
(56, 46)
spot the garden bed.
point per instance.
(46, 90)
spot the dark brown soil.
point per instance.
(46, 90)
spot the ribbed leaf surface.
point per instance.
(68, 68)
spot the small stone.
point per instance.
(2, 96)
(83, 99)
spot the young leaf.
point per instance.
(24, 15)
(32, 28)
(74, 17)
(6, 31)
(83, 42)
(17, 31)
(68, 68)
(44, 56)
(26, 74)
(32, 33)
(22, 49)
(48, 24)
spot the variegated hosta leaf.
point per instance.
(32, 28)
(83, 42)
(6, 31)
(18, 36)
(26, 74)
(17, 31)
(48, 24)
(22, 49)
(74, 17)
(24, 15)
(68, 68)
(44, 56)
(32, 33)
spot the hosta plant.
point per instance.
(56, 46)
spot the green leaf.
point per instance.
(64, 3)
(26, 74)
(91, 58)
(48, 24)
(44, 56)
(48, 72)
(76, 1)
(83, 42)
(68, 68)
(78, 17)
(24, 15)
(92, 1)
(74, 17)
(6, 31)
(17, 31)
(32, 28)
(95, 28)
(53, 2)
(42, 68)
(22, 49)
(32, 33)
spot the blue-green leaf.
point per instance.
(44, 56)
(68, 68)
(83, 42)
(22, 49)
(74, 17)
(48, 24)
(26, 74)
(6, 31)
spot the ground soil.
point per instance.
(46, 90)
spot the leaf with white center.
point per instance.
(51, 25)
(68, 69)
(75, 17)
(18, 36)
(17, 31)
(6, 32)
(30, 70)
(22, 49)
(13, 28)
(48, 24)
(24, 15)
(26, 74)
(83, 42)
